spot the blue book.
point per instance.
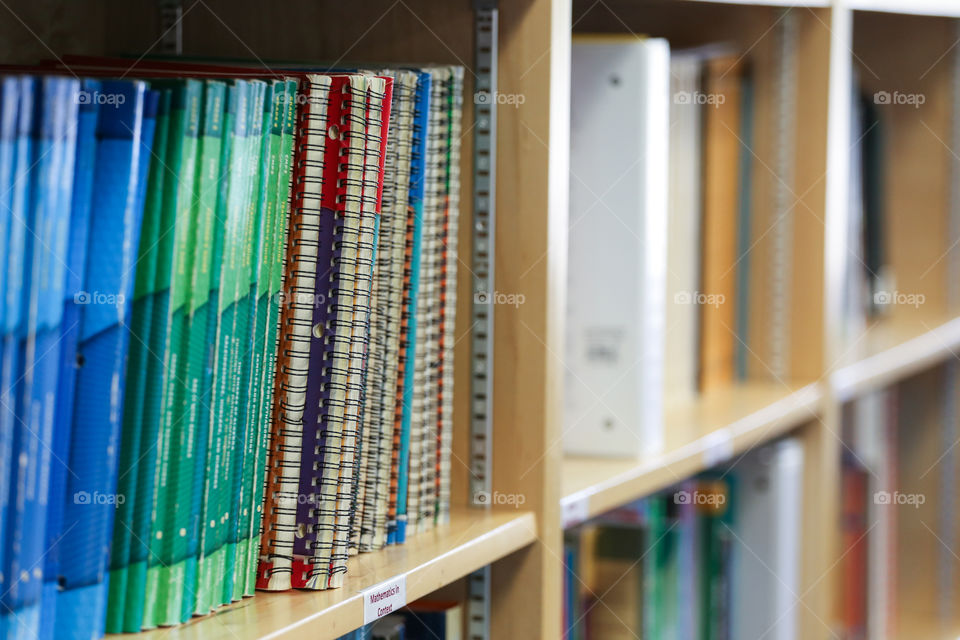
(48, 221)
(116, 213)
(14, 324)
(396, 532)
(9, 109)
(72, 309)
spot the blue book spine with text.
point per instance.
(14, 327)
(116, 213)
(9, 108)
(72, 308)
(48, 222)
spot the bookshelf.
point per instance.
(428, 562)
(827, 366)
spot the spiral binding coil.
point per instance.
(283, 476)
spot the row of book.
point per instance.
(663, 260)
(228, 331)
(716, 557)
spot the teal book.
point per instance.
(202, 586)
(263, 248)
(241, 308)
(124, 546)
(247, 276)
(285, 123)
(164, 546)
(194, 415)
(217, 494)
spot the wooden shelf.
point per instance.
(473, 539)
(945, 8)
(891, 350)
(704, 432)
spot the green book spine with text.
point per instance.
(205, 577)
(217, 486)
(194, 409)
(249, 362)
(272, 280)
(167, 562)
(138, 360)
(146, 531)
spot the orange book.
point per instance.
(721, 153)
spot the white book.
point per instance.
(683, 229)
(617, 253)
(766, 549)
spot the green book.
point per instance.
(149, 518)
(716, 543)
(661, 570)
(247, 363)
(231, 209)
(203, 585)
(285, 112)
(166, 564)
(137, 365)
(193, 417)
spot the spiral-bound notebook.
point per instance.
(385, 322)
(338, 180)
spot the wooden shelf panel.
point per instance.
(890, 350)
(701, 433)
(473, 539)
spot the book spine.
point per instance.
(72, 315)
(231, 208)
(10, 277)
(277, 570)
(448, 297)
(287, 123)
(18, 285)
(51, 189)
(332, 323)
(423, 435)
(396, 526)
(115, 223)
(145, 459)
(193, 413)
(243, 338)
(137, 359)
(378, 96)
(168, 538)
(264, 244)
(390, 260)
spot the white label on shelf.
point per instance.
(384, 598)
(573, 512)
(717, 448)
